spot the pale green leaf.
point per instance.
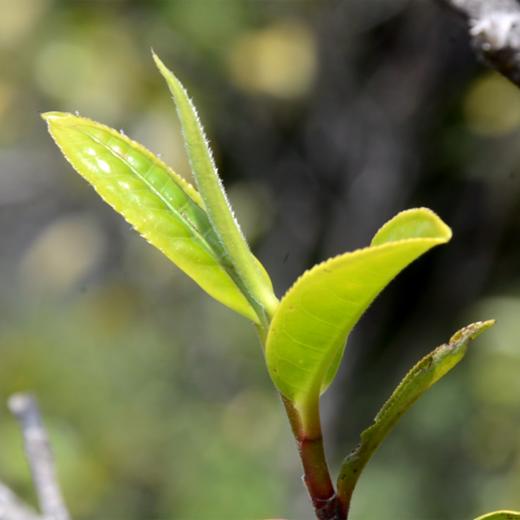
(160, 204)
(418, 380)
(255, 284)
(310, 327)
(500, 515)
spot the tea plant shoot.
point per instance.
(303, 334)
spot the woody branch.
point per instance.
(494, 30)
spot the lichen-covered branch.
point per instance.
(25, 408)
(494, 30)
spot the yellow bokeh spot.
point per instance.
(63, 254)
(492, 106)
(18, 18)
(69, 69)
(279, 60)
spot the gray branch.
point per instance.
(25, 409)
(494, 30)
(12, 508)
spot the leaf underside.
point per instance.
(417, 381)
(164, 208)
(308, 332)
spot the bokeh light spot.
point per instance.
(492, 106)
(63, 254)
(279, 60)
(16, 22)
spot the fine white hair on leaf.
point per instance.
(210, 156)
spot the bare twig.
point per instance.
(25, 408)
(12, 508)
(494, 29)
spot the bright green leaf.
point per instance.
(255, 284)
(310, 327)
(500, 515)
(420, 378)
(418, 223)
(160, 204)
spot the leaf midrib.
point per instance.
(191, 226)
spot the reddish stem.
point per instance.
(316, 472)
(317, 479)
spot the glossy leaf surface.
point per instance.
(417, 381)
(160, 204)
(500, 515)
(255, 282)
(308, 331)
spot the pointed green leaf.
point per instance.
(256, 285)
(309, 329)
(419, 379)
(160, 204)
(500, 515)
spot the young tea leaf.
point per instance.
(307, 335)
(160, 204)
(419, 379)
(254, 280)
(500, 515)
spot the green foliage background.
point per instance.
(326, 119)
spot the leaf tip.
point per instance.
(58, 118)
(416, 223)
(160, 65)
(472, 331)
(51, 116)
(176, 88)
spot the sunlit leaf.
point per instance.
(254, 282)
(500, 515)
(160, 204)
(418, 380)
(309, 329)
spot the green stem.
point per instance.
(351, 470)
(349, 475)
(315, 470)
(309, 439)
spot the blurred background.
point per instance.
(326, 117)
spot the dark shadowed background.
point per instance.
(326, 118)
